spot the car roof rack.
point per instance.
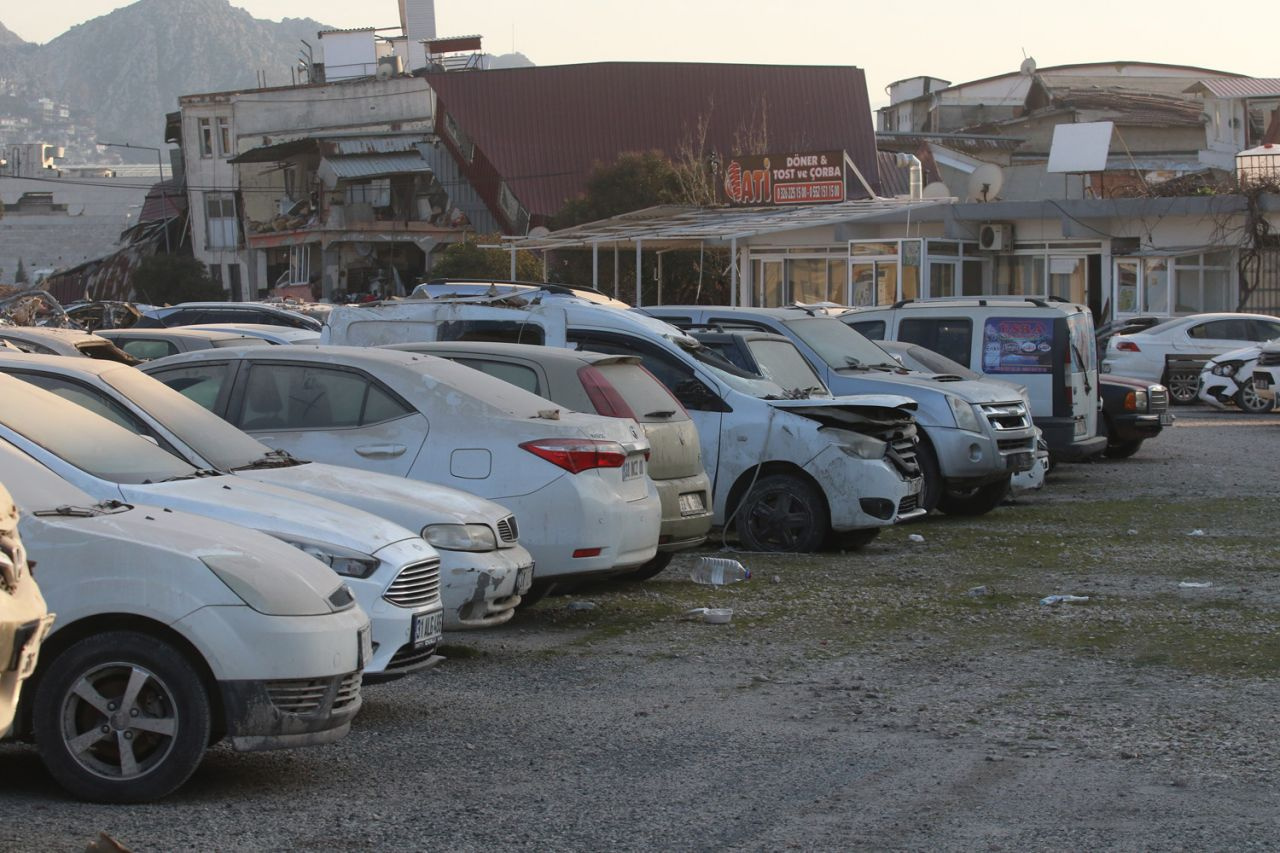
(985, 300)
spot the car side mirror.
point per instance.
(693, 394)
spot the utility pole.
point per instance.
(164, 193)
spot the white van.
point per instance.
(1046, 346)
(787, 471)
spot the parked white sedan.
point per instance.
(577, 482)
(483, 568)
(173, 633)
(1228, 379)
(1173, 352)
(394, 573)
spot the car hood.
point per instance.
(410, 503)
(272, 509)
(868, 402)
(1249, 353)
(1125, 381)
(970, 390)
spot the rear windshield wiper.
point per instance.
(274, 459)
(68, 511)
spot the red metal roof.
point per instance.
(543, 129)
(165, 200)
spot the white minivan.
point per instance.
(788, 471)
(1046, 346)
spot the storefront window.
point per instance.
(1155, 286)
(1067, 279)
(942, 280)
(1126, 287)
(1203, 282)
(1019, 275)
(807, 279)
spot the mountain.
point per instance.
(126, 69)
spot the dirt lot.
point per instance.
(856, 701)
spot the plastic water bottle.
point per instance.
(718, 571)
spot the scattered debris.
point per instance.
(1133, 532)
(980, 592)
(1195, 584)
(718, 571)
(1196, 532)
(776, 579)
(1055, 600)
(710, 615)
(580, 605)
(915, 537)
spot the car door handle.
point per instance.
(381, 451)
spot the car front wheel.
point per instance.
(121, 717)
(783, 513)
(1183, 386)
(1248, 400)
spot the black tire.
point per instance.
(660, 561)
(932, 488)
(163, 730)
(783, 513)
(975, 501)
(1183, 386)
(1249, 402)
(1123, 450)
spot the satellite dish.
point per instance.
(936, 189)
(985, 183)
(539, 232)
(1028, 66)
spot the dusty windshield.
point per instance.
(218, 442)
(837, 344)
(783, 363)
(94, 445)
(730, 374)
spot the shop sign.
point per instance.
(780, 179)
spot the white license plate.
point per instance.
(364, 646)
(427, 628)
(1081, 427)
(915, 486)
(691, 504)
(524, 579)
(633, 468)
(1166, 419)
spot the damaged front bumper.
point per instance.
(481, 589)
(286, 713)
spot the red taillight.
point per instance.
(1127, 346)
(576, 455)
(1070, 395)
(587, 552)
(603, 395)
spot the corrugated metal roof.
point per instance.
(389, 144)
(165, 200)
(360, 166)
(545, 128)
(1238, 87)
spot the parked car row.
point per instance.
(336, 506)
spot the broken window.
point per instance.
(220, 221)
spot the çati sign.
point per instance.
(812, 178)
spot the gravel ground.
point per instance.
(868, 700)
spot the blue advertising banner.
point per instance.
(1017, 345)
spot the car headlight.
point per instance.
(1136, 401)
(344, 561)
(858, 444)
(1227, 368)
(271, 593)
(966, 418)
(460, 537)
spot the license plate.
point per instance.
(524, 579)
(633, 468)
(364, 646)
(691, 503)
(1166, 419)
(1020, 461)
(1080, 427)
(915, 486)
(427, 628)
(1261, 381)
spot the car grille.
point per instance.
(1157, 398)
(508, 531)
(908, 504)
(416, 585)
(902, 448)
(1005, 416)
(408, 656)
(305, 696)
(1015, 445)
(1268, 359)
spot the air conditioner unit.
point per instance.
(995, 237)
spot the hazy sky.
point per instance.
(890, 40)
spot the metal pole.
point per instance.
(616, 271)
(513, 263)
(164, 202)
(595, 264)
(660, 278)
(733, 272)
(639, 282)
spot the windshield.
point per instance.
(926, 360)
(218, 442)
(837, 344)
(730, 374)
(77, 436)
(783, 363)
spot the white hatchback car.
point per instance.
(394, 573)
(173, 633)
(1173, 352)
(483, 568)
(1229, 379)
(577, 482)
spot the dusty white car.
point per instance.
(173, 633)
(483, 568)
(49, 341)
(1173, 352)
(393, 572)
(1266, 373)
(24, 617)
(577, 482)
(1229, 379)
